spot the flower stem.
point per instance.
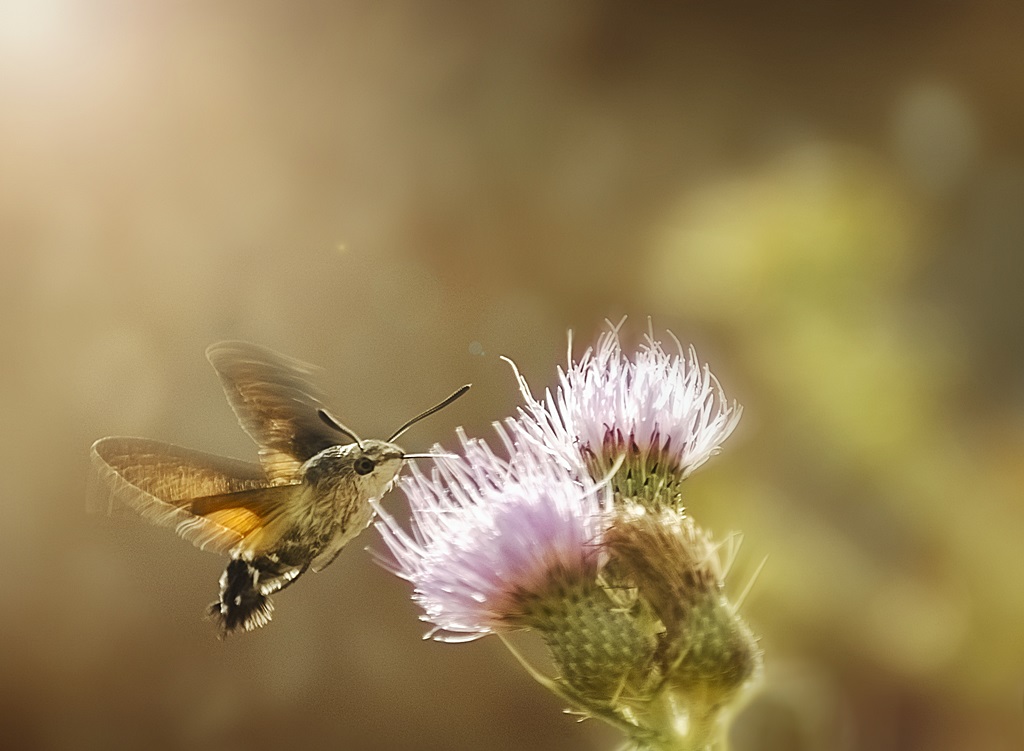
(693, 727)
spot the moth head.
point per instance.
(374, 465)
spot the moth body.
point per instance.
(326, 519)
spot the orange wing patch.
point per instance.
(240, 520)
(256, 517)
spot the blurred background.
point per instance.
(830, 206)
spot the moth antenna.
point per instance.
(439, 406)
(332, 423)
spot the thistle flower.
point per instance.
(664, 413)
(580, 535)
(494, 539)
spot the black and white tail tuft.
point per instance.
(242, 604)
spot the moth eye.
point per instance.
(364, 465)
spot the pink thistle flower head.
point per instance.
(491, 538)
(665, 413)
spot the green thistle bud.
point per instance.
(720, 654)
(602, 650)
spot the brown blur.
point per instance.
(829, 206)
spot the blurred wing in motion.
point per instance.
(275, 404)
(213, 502)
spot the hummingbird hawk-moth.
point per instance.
(307, 498)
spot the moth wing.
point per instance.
(168, 485)
(276, 405)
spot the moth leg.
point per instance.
(332, 559)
